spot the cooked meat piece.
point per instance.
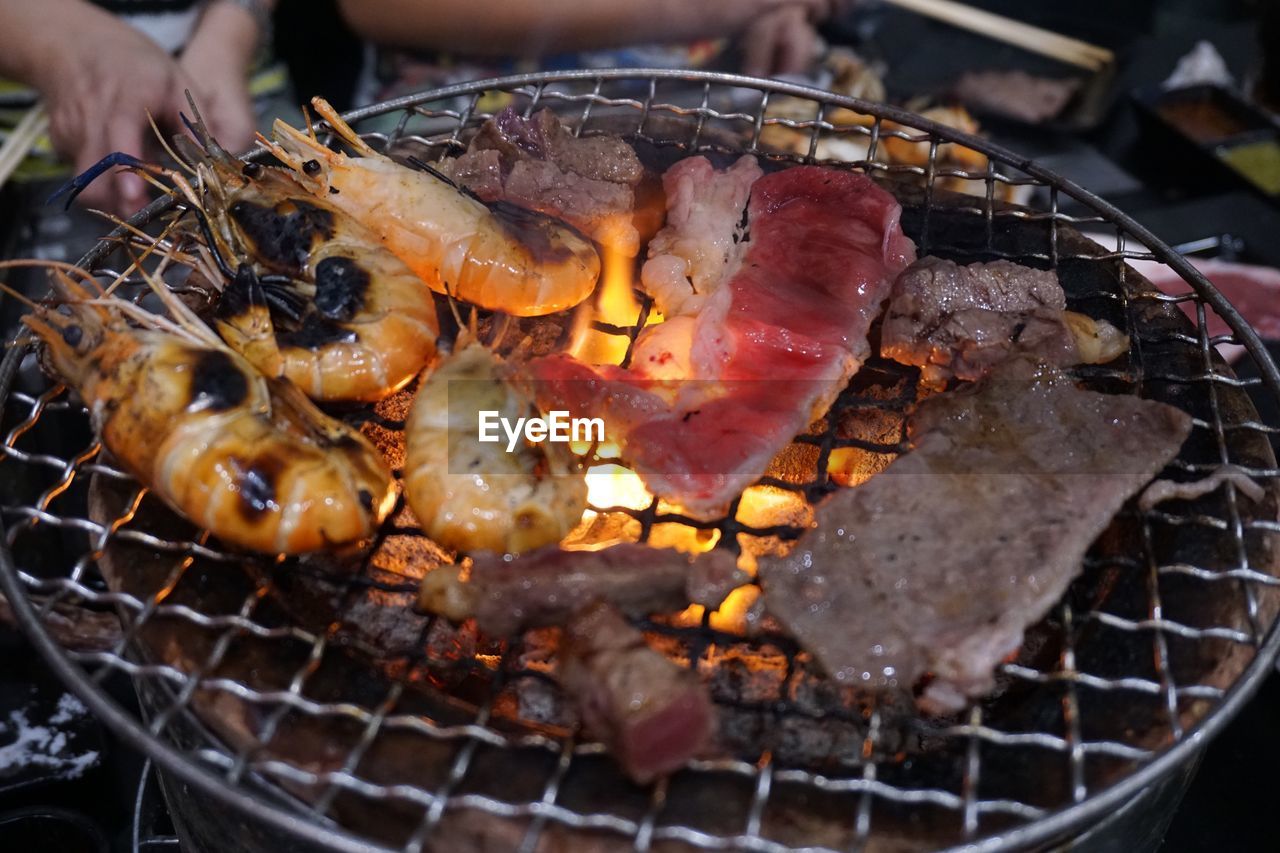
(940, 563)
(701, 245)
(710, 399)
(538, 163)
(653, 714)
(961, 321)
(547, 586)
(1016, 94)
(1169, 490)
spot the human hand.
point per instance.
(216, 61)
(782, 41)
(98, 97)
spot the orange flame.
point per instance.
(616, 304)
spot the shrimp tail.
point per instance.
(72, 188)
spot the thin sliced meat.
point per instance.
(1253, 290)
(538, 163)
(711, 399)
(653, 714)
(939, 564)
(548, 586)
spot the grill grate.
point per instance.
(305, 693)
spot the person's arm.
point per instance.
(99, 77)
(525, 28)
(217, 60)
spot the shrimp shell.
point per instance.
(368, 325)
(247, 458)
(498, 256)
(472, 496)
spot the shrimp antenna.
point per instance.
(149, 247)
(41, 263)
(311, 128)
(499, 331)
(21, 297)
(164, 143)
(144, 238)
(185, 318)
(200, 131)
(441, 176)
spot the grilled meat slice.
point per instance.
(712, 398)
(961, 321)
(940, 563)
(653, 714)
(548, 586)
(538, 163)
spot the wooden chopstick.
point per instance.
(1037, 40)
(24, 137)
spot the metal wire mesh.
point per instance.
(309, 693)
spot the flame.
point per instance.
(617, 305)
(613, 485)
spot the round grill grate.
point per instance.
(308, 694)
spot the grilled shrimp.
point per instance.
(497, 256)
(471, 496)
(313, 296)
(248, 458)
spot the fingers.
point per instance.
(781, 42)
(757, 48)
(796, 45)
(125, 134)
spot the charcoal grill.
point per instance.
(303, 700)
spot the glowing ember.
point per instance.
(732, 617)
(769, 506)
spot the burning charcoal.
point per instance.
(548, 586)
(653, 714)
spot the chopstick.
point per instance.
(24, 137)
(1044, 42)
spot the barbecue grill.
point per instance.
(308, 699)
